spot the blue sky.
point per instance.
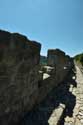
(53, 23)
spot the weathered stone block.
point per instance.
(19, 65)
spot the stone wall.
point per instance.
(55, 56)
(22, 82)
(19, 65)
(60, 61)
(57, 69)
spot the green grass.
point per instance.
(79, 58)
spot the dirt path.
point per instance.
(63, 106)
(78, 92)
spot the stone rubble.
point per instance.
(78, 109)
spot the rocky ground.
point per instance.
(78, 92)
(63, 106)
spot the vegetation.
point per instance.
(79, 58)
(43, 60)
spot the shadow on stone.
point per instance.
(60, 95)
(69, 100)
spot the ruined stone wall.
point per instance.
(19, 65)
(21, 86)
(55, 56)
(59, 65)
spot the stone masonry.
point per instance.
(19, 63)
(21, 85)
(54, 73)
